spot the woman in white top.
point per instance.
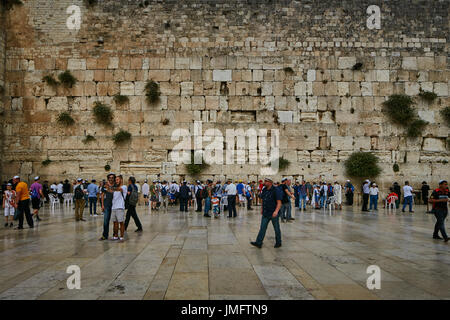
(337, 189)
(118, 208)
(373, 194)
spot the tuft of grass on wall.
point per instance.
(103, 113)
(357, 66)
(50, 80)
(46, 162)
(195, 169)
(107, 167)
(2, 90)
(120, 100)
(415, 129)
(89, 138)
(288, 70)
(8, 4)
(66, 119)
(122, 137)
(283, 163)
(67, 79)
(398, 108)
(428, 96)
(395, 167)
(152, 92)
(445, 113)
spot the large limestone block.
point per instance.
(433, 144)
(346, 62)
(57, 103)
(76, 64)
(127, 88)
(409, 63)
(342, 143)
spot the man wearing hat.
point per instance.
(231, 192)
(79, 193)
(271, 197)
(439, 199)
(365, 190)
(36, 195)
(22, 202)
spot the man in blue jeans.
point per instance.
(107, 197)
(92, 190)
(407, 197)
(303, 192)
(271, 204)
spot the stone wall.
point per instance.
(223, 63)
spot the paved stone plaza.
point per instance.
(187, 256)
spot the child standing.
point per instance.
(9, 201)
(215, 202)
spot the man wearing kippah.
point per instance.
(439, 199)
(271, 197)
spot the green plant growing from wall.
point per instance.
(121, 137)
(152, 92)
(67, 79)
(415, 129)
(107, 167)
(195, 169)
(428, 96)
(89, 138)
(90, 3)
(120, 100)
(50, 80)
(103, 113)
(395, 167)
(165, 122)
(445, 113)
(46, 162)
(8, 4)
(66, 119)
(2, 90)
(362, 165)
(282, 163)
(398, 108)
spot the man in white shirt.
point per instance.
(53, 188)
(59, 191)
(145, 192)
(366, 190)
(118, 208)
(231, 191)
(407, 197)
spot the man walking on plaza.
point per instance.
(302, 195)
(92, 190)
(36, 195)
(22, 202)
(184, 197)
(439, 199)
(107, 197)
(286, 207)
(198, 195)
(407, 197)
(145, 192)
(231, 191)
(131, 201)
(271, 204)
(79, 193)
(207, 196)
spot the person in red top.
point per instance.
(391, 198)
(260, 186)
(439, 199)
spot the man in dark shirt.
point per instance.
(131, 209)
(398, 191)
(66, 186)
(184, 196)
(107, 197)
(271, 203)
(425, 189)
(439, 199)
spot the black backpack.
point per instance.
(78, 193)
(205, 193)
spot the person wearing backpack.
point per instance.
(36, 195)
(198, 195)
(131, 201)
(79, 193)
(165, 194)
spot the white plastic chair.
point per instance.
(54, 201)
(391, 202)
(68, 199)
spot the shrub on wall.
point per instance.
(119, 99)
(102, 113)
(288, 70)
(122, 137)
(2, 90)
(428, 96)
(152, 92)
(107, 167)
(362, 165)
(67, 79)
(395, 167)
(445, 113)
(50, 80)
(416, 127)
(66, 119)
(88, 139)
(90, 3)
(398, 109)
(46, 162)
(8, 4)
(283, 163)
(195, 169)
(357, 66)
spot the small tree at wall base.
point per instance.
(362, 165)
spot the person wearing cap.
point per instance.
(9, 202)
(185, 194)
(106, 200)
(92, 191)
(286, 206)
(366, 192)
(407, 197)
(145, 192)
(36, 195)
(439, 199)
(231, 191)
(271, 197)
(373, 194)
(23, 202)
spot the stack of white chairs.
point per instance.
(68, 199)
(391, 203)
(54, 201)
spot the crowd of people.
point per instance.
(118, 201)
